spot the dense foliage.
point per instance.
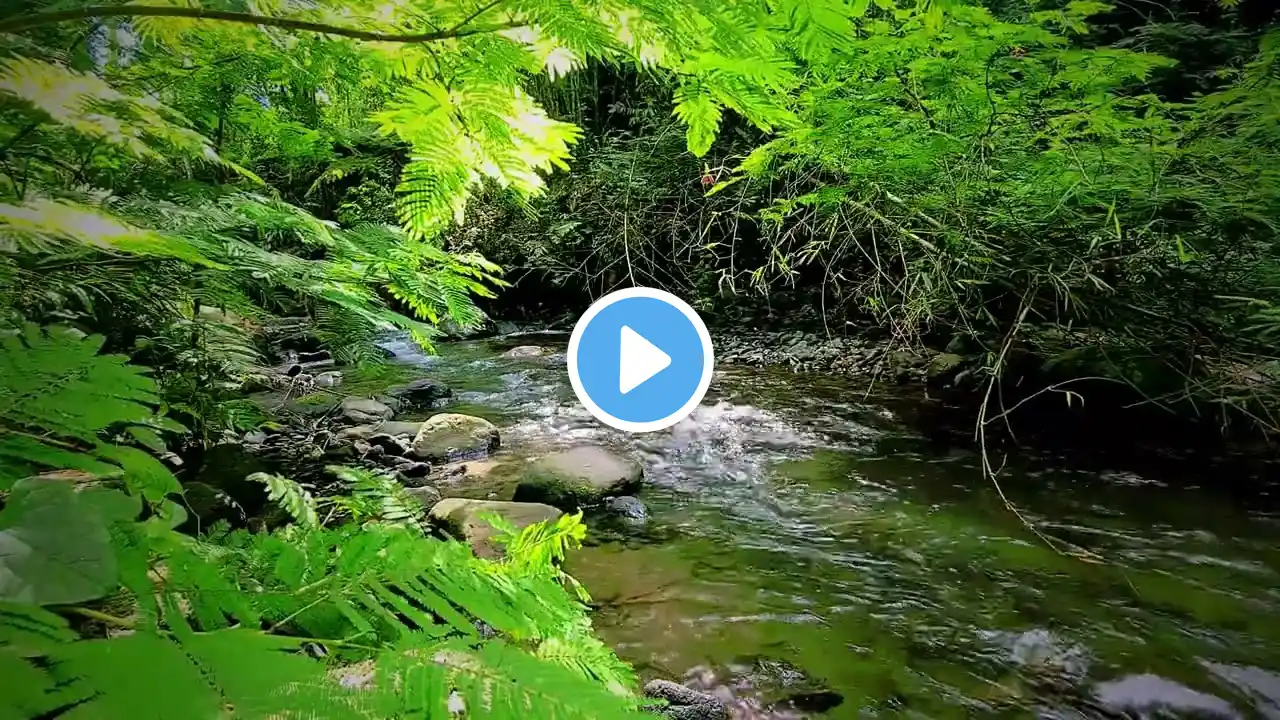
(1062, 183)
(173, 176)
(107, 611)
(1054, 190)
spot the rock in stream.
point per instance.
(462, 518)
(448, 437)
(578, 477)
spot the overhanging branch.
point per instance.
(26, 22)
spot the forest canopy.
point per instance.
(1070, 186)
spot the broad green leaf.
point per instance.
(55, 548)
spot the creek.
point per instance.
(804, 542)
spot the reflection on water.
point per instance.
(797, 522)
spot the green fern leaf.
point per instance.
(140, 676)
(58, 384)
(31, 631)
(700, 113)
(144, 475)
(88, 105)
(266, 676)
(499, 680)
(381, 497)
(40, 225)
(291, 496)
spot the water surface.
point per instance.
(803, 538)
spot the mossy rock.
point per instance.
(453, 436)
(943, 363)
(462, 518)
(578, 477)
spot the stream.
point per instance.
(810, 554)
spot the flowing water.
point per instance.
(805, 544)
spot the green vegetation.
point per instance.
(1059, 185)
(106, 611)
(1051, 190)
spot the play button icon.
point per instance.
(640, 359)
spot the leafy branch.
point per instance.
(28, 22)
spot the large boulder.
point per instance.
(452, 436)
(461, 518)
(580, 476)
(361, 411)
(421, 393)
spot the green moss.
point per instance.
(317, 398)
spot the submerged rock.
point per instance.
(361, 411)
(686, 703)
(627, 507)
(461, 518)
(1259, 685)
(579, 476)
(1043, 654)
(421, 393)
(453, 436)
(526, 351)
(1153, 696)
(781, 686)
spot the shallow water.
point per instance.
(803, 538)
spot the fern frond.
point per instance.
(579, 650)
(291, 496)
(381, 498)
(701, 115)
(88, 105)
(497, 679)
(144, 675)
(57, 394)
(41, 225)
